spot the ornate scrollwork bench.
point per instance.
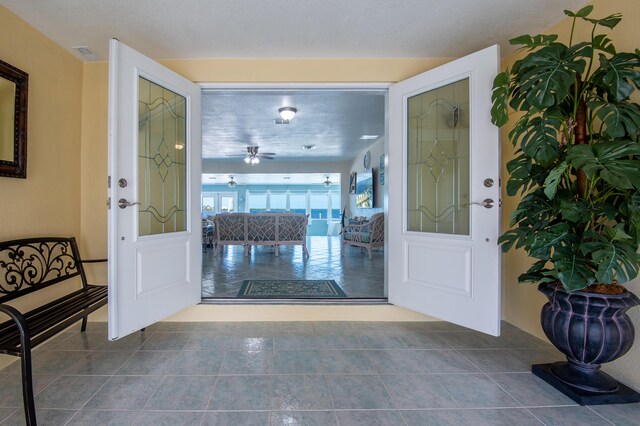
(28, 266)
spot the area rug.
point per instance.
(290, 289)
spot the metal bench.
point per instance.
(30, 265)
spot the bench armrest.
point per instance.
(23, 328)
(93, 260)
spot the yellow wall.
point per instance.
(48, 201)
(522, 301)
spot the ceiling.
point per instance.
(170, 29)
(331, 122)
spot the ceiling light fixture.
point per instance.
(368, 137)
(231, 183)
(287, 113)
(308, 147)
(327, 182)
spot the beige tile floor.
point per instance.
(359, 277)
(311, 373)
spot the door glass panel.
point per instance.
(438, 160)
(161, 159)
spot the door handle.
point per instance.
(487, 203)
(123, 203)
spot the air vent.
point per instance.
(85, 52)
(281, 121)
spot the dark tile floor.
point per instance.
(359, 277)
(311, 373)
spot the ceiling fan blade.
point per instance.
(267, 153)
(236, 155)
(266, 157)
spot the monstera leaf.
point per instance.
(523, 174)
(609, 161)
(614, 255)
(620, 119)
(538, 136)
(547, 76)
(618, 75)
(572, 269)
(499, 99)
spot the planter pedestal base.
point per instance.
(623, 395)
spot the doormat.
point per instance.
(290, 289)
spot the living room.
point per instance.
(318, 163)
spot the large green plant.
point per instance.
(577, 162)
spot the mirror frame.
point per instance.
(18, 167)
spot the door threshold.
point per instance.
(341, 302)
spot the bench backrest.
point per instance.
(292, 227)
(31, 264)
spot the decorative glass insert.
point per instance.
(162, 154)
(438, 160)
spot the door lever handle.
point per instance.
(123, 203)
(487, 203)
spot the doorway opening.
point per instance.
(261, 169)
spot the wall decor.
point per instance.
(381, 174)
(352, 183)
(13, 121)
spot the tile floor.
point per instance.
(359, 277)
(308, 373)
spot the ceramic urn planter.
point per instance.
(590, 329)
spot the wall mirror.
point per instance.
(13, 121)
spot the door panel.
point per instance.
(154, 167)
(444, 259)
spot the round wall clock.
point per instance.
(367, 160)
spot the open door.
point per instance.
(154, 182)
(444, 208)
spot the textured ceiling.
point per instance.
(167, 29)
(332, 121)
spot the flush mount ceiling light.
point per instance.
(287, 113)
(368, 137)
(327, 182)
(231, 183)
(308, 147)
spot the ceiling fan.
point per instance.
(252, 156)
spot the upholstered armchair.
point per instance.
(369, 235)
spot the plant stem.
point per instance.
(581, 136)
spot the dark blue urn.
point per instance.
(590, 329)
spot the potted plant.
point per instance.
(577, 168)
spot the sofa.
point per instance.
(270, 229)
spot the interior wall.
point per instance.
(376, 150)
(47, 202)
(523, 301)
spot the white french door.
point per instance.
(444, 208)
(154, 168)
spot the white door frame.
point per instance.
(328, 86)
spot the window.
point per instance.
(298, 202)
(278, 202)
(218, 202)
(319, 205)
(335, 206)
(256, 202)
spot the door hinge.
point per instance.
(109, 182)
(108, 203)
